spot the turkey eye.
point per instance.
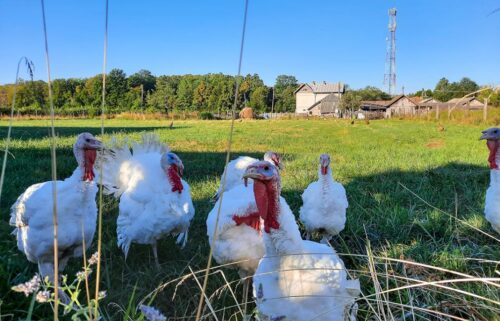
(87, 140)
(266, 168)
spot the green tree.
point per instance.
(350, 101)
(284, 93)
(372, 93)
(164, 98)
(116, 89)
(258, 99)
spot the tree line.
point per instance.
(144, 92)
(214, 93)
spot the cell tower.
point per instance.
(390, 58)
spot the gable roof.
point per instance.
(384, 104)
(323, 87)
(327, 104)
(463, 101)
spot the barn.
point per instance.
(398, 105)
(469, 103)
(309, 96)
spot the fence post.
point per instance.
(437, 112)
(485, 110)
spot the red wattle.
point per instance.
(252, 220)
(88, 164)
(174, 179)
(272, 211)
(492, 146)
(266, 199)
(324, 170)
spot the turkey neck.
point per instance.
(86, 159)
(494, 159)
(278, 239)
(174, 179)
(325, 180)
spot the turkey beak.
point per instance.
(180, 169)
(280, 166)
(486, 135)
(277, 162)
(94, 144)
(252, 172)
(324, 167)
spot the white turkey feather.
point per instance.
(242, 244)
(492, 203)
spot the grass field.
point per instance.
(410, 186)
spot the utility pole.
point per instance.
(485, 109)
(390, 59)
(272, 105)
(142, 95)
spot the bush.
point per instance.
(207, 115)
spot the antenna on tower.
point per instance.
(390, 58)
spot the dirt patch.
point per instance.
(433, 144)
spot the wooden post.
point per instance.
(485, 110)
(437, 111)
(272, 105)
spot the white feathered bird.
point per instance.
(236, 168)
(296, 280)
(154, 200)
(238, 237)
(32, 213)
(324, 204)
(492, 203)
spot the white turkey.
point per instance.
(296, 280)
(154, 199)
(324, 204)
(238, 240)
(492, 203)
(236, 168)
(32, 213)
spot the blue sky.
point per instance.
(313, 40)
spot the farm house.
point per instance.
(309, 95)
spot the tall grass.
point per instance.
(415, 233)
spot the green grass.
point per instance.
(383, 165)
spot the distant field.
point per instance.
(386, 167)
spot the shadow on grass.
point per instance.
(29, 133)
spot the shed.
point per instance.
(469, 102)
(398, 105)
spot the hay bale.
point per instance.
(247, 113)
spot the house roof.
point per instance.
(416, 99)
(462, 100)
(383, 104)
(323, 87)
(327, 104)
(429, 100)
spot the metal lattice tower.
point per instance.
(390, 59)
